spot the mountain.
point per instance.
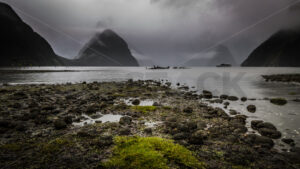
(20, 45)
(106, 49)
(220, 55)
(281, 50)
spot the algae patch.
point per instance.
(150, 152)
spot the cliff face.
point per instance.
(280, 50)
(220, 55)
(106, 49)
(20, 45)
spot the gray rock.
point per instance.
(196, 138)
(126, 120)
(136, 102)
(188, 110)
(60, 124)
(124, 131)
(274, 134)
(148, 131)
(251, 108)
(233, 98)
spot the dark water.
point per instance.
(233, 81)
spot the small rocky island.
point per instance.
(133, 124)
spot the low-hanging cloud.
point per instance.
(166, 31)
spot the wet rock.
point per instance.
(196, 138)
(106, 140)
(288, 141)
(271, 133)
(40, 119)
(254, 139)
(156, 104)
(60, 124)
(124, 131)
(83, 134)
(224, 97)
(126, 120)
(5, 124)
(188, 110)
(207, 94)
(266, 125)
(92, 108)
(21, 127)
(48, 107)
(244, 99)
(233, 98)
(226, 103)
(16, 105)
(251, 108)
(279, 101)
(96, 116)
(180, 136)
(20, 95)
(136, 102)
(296, 100)
(219, 101)
(233, 112)
(68, 119)
(255, 123)
(239, 119)
(148, 131)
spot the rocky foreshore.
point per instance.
(133, 124)
(282, 78)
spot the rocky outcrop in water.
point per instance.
(20, 45)
(280, 50)
(106, 49)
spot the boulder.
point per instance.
(279, 101)
(60, 124)
(233, 98)
(126, 120)
(274, 134)
(251, 108)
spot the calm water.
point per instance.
(233, 81)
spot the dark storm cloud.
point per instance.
(167, 31)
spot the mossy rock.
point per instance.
(144, 109)
(279, 101)
(151, 152)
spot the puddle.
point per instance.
(152, 124)
(103, 119)
(147, 102)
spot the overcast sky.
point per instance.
(167, 31)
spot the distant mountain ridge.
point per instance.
(21, 46)
(281, 50)
(220, 55)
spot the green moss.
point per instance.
(150, 152)
(11, 147)
(144, 109)
(54, 145)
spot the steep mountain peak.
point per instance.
(280, 50)
(107, 48)
(7, 12)
(109, 38)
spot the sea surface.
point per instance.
(234, 81)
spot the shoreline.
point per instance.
(38, 118)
